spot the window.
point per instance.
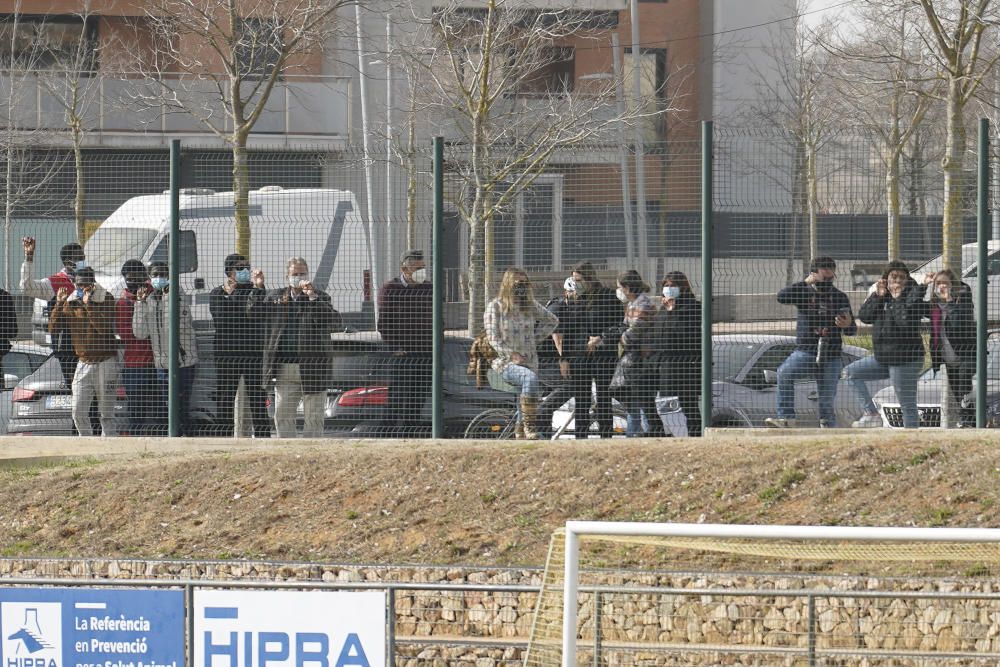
(652, 89)
(38, 42)
(258, 47)
(555, 75)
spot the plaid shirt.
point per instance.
(517, 332)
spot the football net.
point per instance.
(927, 596)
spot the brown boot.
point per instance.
(529, 417)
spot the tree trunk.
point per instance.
(477, 265)
(951, 164)
(892, 203)
(798, 203)
(80, 196)
(241, 193)
(812, 201)
(411, 176)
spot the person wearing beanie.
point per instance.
(139, 374)
(239, 350)
(405, 307)
(894, 309)
(823, 318)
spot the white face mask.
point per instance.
(418, 276)
(620, 293)
(671, 292)
(298, 280)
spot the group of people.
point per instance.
(615, 341)
(260, 335)
(896, 308)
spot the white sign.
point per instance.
(32, 634)
(289, 628)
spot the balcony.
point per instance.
(302, 111)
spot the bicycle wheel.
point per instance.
(493, 424)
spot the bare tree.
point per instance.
(69, 83)
(31, 160)
(952, 34)
(493, 81)
(794, 96)
(220, 60)
(888, 86)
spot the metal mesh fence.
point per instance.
(585, 274)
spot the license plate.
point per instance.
(58, 402)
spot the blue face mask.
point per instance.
(82, 264)
(243, 276)
(671, 292)
(79, 292)
(159, 282)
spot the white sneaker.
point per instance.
(779, 422)
(868, 421)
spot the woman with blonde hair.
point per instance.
(953, 336)
(515, 323)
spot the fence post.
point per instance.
(706, 275)
(390, 629)
(189, 610)
(811, 624)
(173, 297)
(982, 240)
(437, 280)
(597, 629)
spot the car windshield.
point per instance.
(936, 264)
(728, 359)
(109, 247)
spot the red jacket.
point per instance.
(138, 352)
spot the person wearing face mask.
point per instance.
(405, 307)
(894, 310)
(677, 346)
(635, 381)
(88, 313)
(139, 378)
(601, 314)
(515, 323)
(823, 318)
(151, 320)
(953, 337)
(559, 362)
(239, 350)
(297, 322)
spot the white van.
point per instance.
(321, 225)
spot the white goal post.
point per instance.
(828, 535)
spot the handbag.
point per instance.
(625, 369)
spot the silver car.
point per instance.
(745, 382)
(22, 360)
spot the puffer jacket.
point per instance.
(896, 337)
(151, 319)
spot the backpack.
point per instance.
(481, 355)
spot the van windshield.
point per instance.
(109, 247)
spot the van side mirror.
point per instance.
(189, 251)
(10, 381)
(770, 377)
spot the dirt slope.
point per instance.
(483, 503)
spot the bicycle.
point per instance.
(500, 423)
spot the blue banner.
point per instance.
(88, 627)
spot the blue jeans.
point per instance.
(143, 391)
(523, 377)
(904, 381)
(802, 365)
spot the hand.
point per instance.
(87, 291)
(308, 290)
(29, 247)
(517, 358)
(812, 278)
(593, 343)
(928, 278)
(564, 368)
(258, 278)
(880, 287)
(143, 292)
(62, 294)
(229, 286)
(843, 320)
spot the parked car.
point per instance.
(22, 360)
(745, 379)
(930, 388)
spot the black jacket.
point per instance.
(677, 332)
(573, 320)
(817, 307)
(896, 325)
(313, 320)
(237, 333)
(603, 314)
(8, 321)
(959, 327)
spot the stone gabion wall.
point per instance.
(776, 618)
